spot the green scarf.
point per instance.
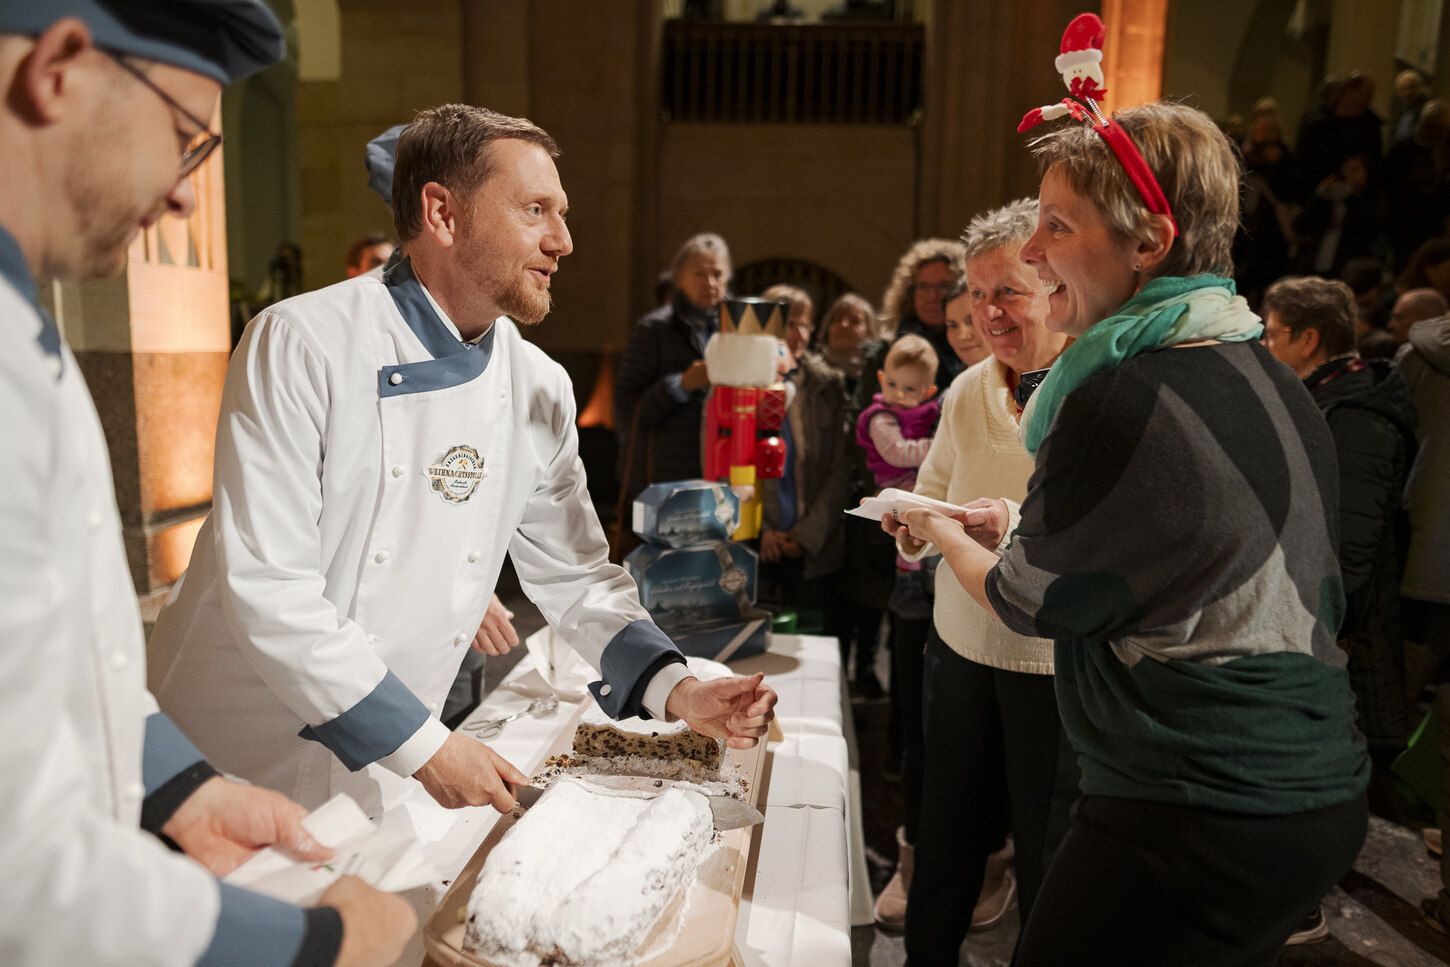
(1165, 312)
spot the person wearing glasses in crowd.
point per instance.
(102, 125)
(912, 305)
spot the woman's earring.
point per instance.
(1138, 267)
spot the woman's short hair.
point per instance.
(848, 304)
(1307, 302)
(913, 351)
(1194, 163)
(450, 144)
(896, 303)
(1013, 223)
(704, 242)
(792, 296)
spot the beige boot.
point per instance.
(890, 909)
(999, 883)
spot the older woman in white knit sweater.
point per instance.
(995, 759)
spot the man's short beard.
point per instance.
(525, 308)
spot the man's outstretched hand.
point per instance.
(736, 709)
(223, 823)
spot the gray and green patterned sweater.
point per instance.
(1178, 542)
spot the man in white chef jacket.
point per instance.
(99, 130)
(382, 444)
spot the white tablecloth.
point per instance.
(796, 904)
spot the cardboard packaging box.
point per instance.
(683, 586)
(685, 512)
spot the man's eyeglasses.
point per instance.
(1271, 334)
(202, 144)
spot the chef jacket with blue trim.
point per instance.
(371, 472)
(85, 747)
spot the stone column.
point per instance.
(153, 346)
(987, 65)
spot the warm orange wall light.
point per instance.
(1133, 50)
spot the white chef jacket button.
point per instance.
(54, 363)
(433, 707)
(381, 557)
(119, 660)
(135, 791)
(372, 639)
(473, 557)
(397, 470)
(605, 690)
(460, 639)
(395, 379)
(94, 519)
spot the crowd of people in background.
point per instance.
(1343, 250)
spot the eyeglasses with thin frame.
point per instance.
(1270, 334)
(933, 288)
(202, 144)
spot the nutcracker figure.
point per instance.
(747, 402)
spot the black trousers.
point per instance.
(996, 761)
(908, 652)
(1160, 885)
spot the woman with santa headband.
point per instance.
(1178, 543)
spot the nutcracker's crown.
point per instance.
(752, 317)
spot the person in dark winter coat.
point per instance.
(1309, 326)
(661, 386)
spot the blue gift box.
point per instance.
(684, 512)
(686, 586)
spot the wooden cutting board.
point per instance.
(705, 936)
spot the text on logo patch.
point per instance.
(455, 475)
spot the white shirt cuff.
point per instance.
(927, 550)
(657, 692)
(413, 754)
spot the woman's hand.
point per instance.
(968, 559)
(904, 540)
(932, 527)
(987, 520)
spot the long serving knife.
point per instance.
(727, 812)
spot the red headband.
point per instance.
(1080, 65)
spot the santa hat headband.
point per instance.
(1080, 64)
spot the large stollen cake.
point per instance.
(583, 877)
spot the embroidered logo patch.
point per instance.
(455, 475)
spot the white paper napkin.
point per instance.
(387, 860)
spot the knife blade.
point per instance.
(727, 812)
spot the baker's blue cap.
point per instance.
(381, 157)
(225, 40)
